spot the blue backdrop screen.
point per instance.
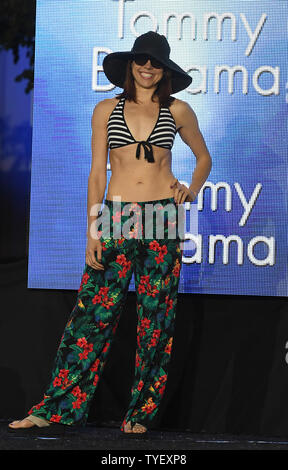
(236, 53)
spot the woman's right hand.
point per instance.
(94, 245)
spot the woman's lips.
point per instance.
(145, 75)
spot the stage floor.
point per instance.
(110, 438)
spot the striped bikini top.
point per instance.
(162, 135)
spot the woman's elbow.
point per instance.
(98, 178)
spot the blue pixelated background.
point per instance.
(245, 131)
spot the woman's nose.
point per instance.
(148, 63)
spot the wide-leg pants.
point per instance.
(89, 332)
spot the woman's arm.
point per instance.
(98, 173)
(192, 136)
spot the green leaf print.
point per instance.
(76, 348)
(150, 302)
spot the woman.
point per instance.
(141, 174)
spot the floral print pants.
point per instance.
(89, 332)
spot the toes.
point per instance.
(137, 428)
(13, 422)
(24, 423)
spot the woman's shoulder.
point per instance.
(103, 108)
(180, 110)
(180, 105)
(106, 104)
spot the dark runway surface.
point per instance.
(111, 439)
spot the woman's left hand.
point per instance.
(182, 193)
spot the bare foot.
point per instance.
(24, 423)
(137, 428)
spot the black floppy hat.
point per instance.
(150, 43)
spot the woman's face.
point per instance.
(146, 75)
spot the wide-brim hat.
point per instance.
(153, 44)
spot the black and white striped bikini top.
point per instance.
(163, 134)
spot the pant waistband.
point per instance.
(167, 200)
(170, 213)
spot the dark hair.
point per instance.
(163, 89)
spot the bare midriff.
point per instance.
(138, 180)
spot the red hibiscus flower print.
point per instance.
(162, 251)
(152, 290)
(138, 360)
(77, 404)
(140, 385)
(84, 280)
(162, 379)
(154, 245)
(81, 397)
(102, 297)
(167, 280)
(169, 346)
(154, 339)
(62, 379)
(145, 287)
(159, 259)
(121, 240)
(95, 365)
(144, 324)
(82, 343)
(122, 260)
(149, 406)
(176, 269)
(96, 380)
(169, 303)
(36, 407)
(141, 289)
(145, 279)
(55, 418)
(57, 382)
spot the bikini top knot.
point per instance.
(148, 151)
